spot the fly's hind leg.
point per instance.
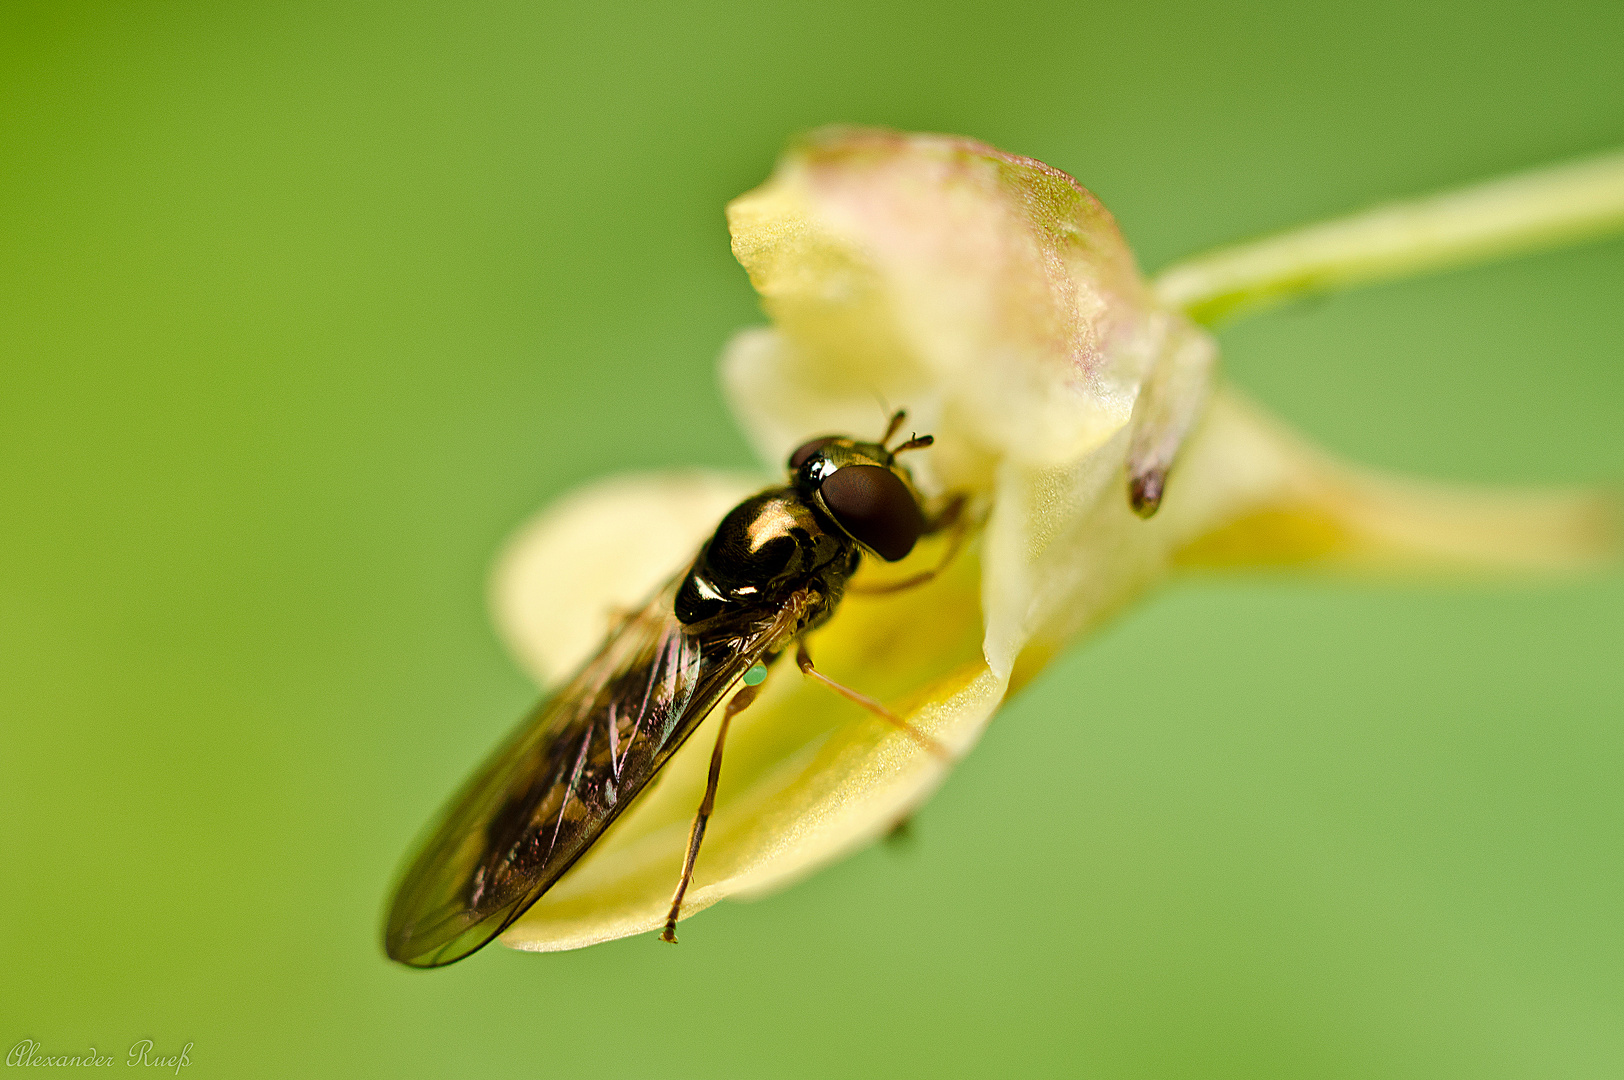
(1169, 404)
(803, 660)
(738, 704)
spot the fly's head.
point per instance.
(862, 489)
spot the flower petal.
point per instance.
(990, 294)
(1254, 493)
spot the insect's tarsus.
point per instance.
(896, 423)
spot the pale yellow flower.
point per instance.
(994, 298)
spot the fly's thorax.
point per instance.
(766, 548)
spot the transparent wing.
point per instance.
(542, 799)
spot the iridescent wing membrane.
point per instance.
(547, 794)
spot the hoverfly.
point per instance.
(775, 569)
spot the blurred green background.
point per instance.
(304, 306)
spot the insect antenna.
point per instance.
(896, 423)
(915, 442)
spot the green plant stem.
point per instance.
(1524, 212)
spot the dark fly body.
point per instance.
(775, 569)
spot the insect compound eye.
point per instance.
(806, 450)
(876, 507)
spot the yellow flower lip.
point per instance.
(994, 298)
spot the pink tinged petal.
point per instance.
(988, 293)
(993, 297)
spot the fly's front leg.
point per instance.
(803, 660)
(1169, 404)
